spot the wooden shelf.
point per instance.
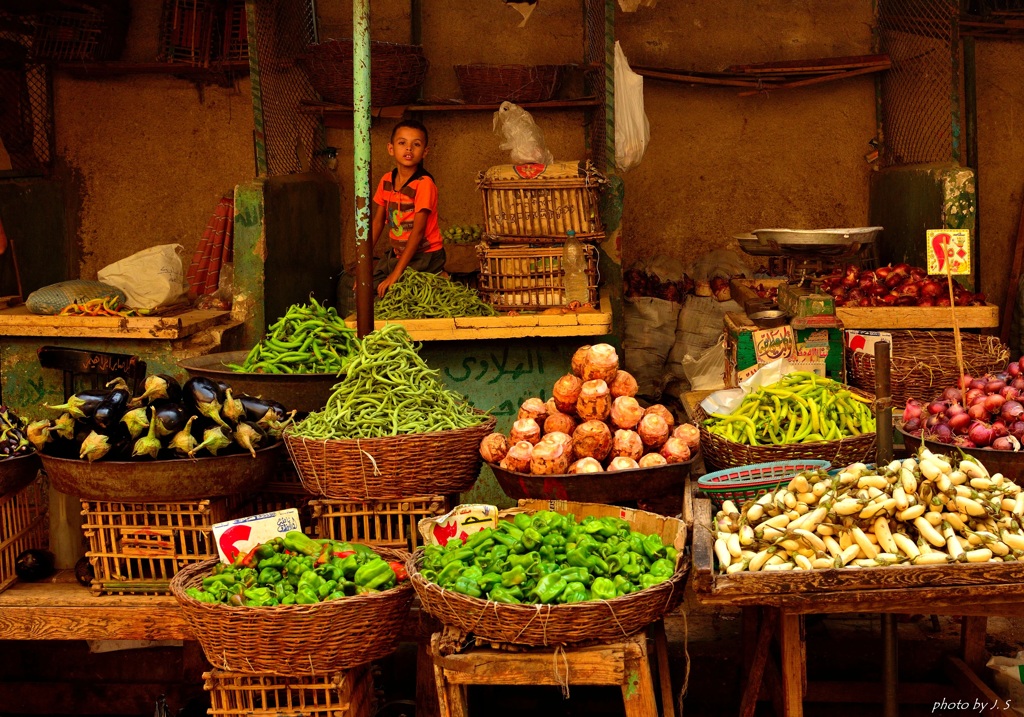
(61, 609)
(18, 321)
(220, 73)
(917, 317)
(340, 116)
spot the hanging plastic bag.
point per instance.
(150, 278)
(632, 130)
(521, 135)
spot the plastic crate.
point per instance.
(241, 694)
(136, 548)
(748, 482)
(383, 523)
(23, 525)
(532, 278)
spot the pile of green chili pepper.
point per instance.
(421, 295)
(801, 408)
(297, 570)
(550, 558)
(388, 390)
(309, 338)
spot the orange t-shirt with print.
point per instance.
(400, 207)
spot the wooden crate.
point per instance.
(388, 524)
(917, 317)
(23, 525)
(136, 548)
(541, 210)
(240, 694)
(529, 278)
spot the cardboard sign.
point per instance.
(460, 522)
(863, 342)
(243, 534)
(950, 247)
(772, 344)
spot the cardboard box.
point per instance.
(748, 347)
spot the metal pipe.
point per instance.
(416, 22)
(361, 156)
(883, 403)
(971, 142)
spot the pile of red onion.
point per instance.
(900, 285)
(985, 412)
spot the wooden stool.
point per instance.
(624, 663)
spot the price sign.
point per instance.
(949, 246)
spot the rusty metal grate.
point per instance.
(287, 140)
(26, 105)
(921, 93)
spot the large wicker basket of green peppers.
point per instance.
(296, 606)
(572, 574)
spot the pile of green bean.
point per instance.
(309, 338)
(420, 295)
(388, 390)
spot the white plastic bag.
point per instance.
(1009, 679)
(632, 130)
(521, 135)
(150, 278)
(706, 372)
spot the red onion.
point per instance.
(1009, 393)
(917, 273)
(959, 423)
(1018, 383)
(952, 394)
(926, 301)
(994, 386)
(913, 425)
(933, 420)
(1017, 429)
(1002, 444)
(883, 271)
(994, 402)
(955, 409)
(999, 428)
(942, 301)
(937, 407)
(1013, 369)
(943, 433)
(973, 394)
(912, 409)
(931, 288)
(979, 434)
(980, 398)
(977, 411)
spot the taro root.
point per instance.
(689, 433)
(626, 412)
(593, 439)
(627, 443)
(566, 392)
(653, 430)
(533, 408)
(601, 363)
(595, 402)
(559, 422)
(586, 465)
(525, 429)
(652, 460)
(550, 458)
(493, 448)
(663, 412)
(518, 457)
(623, 384)
(578, 359)
(675, 450)
(622, 463)
(557, 437)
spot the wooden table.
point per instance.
(774, 603)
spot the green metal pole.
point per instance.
(361, 154)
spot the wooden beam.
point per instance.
(1014, 279)
(971, 687)
(972, 642)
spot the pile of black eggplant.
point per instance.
(167, 420)
(13, 439)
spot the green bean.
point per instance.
(307, 339)
(420, 295)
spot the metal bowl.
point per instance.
(832, 242)
(1009, 463)
(610, 487)
(769, 318)
(179, 479)
(18, 472)
(304, 392)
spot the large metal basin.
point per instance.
(18, 472)
(179, 479)
(303, 392)
(610, 487)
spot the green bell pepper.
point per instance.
(576, 575)
(326, 589)
(648, 580)
(290, 599)
(306, 596)
(259, 597)
(283, 588)
(298, 542)
(622, 585)
(636, 542)
(450, 571)
(527, 560)
(514, 576)
(574, 592)
(603, 589)
(487, 581)
(201, 595)
(270, 576)
(549, 588)
(616, 563)
(507, 527)
(504, 595)
(466, 586)
(464, 554)
(311, 580)
(479, 538)
(531, 539)
(653, 547)
(274, 561)
(375, 575)
(506, 540)
(522, 521)
(331, 571)
(662, 568)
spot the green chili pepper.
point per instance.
(487, 581)
(450, 571)
(515, 576)
(577, 575)
(376, 574)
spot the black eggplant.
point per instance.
(149, 444)
(84, 403)
(201, 397)
(169, 415)
(222, 389)
(184, 442)
(233, 410)
(94, 447)
(112, 408)
(214, 439)
(248, 435)
(257, 408)
(159, 385)
(137, 421)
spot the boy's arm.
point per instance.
(419, 226)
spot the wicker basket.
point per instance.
(396, 72)
(378, 523)
(543, 625)
(542, 211)
(441, 462)
(924, 363)
(531, 278)
(720, 453)
(494, 84)
(295, 639)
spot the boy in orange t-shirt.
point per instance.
(406, 201)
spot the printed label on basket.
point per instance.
(243, 534)
(949, 246)
(460, 522)
(863, 342)
(771, 344)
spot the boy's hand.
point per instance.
(385, 285)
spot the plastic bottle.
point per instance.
(574, 263)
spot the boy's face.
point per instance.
(408, 147)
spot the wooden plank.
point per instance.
(599, 665)
(638, 687)
(754, 671)
(93, 623)
(328, 110)
(972, 688)
(488, 322)
(917, 317)
(18, 321)
(791, 664)
(701, 577)
(694, 78)
(1002, 599)
(972, 642)
(668, 707)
